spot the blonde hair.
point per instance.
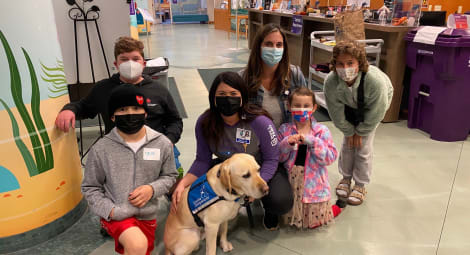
(354, 49)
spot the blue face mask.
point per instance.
(271, 56)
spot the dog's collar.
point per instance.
(233, 192)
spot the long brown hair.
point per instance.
(212, 123)
(252, 74)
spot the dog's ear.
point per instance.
(224, 174)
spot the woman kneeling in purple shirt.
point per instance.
(232, 125)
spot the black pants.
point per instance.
(280, 198)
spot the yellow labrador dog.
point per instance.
(235, 177)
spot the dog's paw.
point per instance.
(226, 246)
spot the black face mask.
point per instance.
(129, 123)
(227, 106)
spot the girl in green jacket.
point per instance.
(357, 97)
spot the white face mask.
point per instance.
(347, 74)
(301, 109)
(131, 70)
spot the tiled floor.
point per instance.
(417, 201)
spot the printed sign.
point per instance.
(297, 24)
(132, 8)
(146, 15)
(460, 21)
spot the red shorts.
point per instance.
(115, 229)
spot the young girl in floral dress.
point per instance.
(306, 149)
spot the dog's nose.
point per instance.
(265, 189)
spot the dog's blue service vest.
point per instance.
(200, 197)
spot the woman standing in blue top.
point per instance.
(270, 79)
(269, 75)
(232, 125)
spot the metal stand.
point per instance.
(79, 14)
(148, 40)
(236, 25)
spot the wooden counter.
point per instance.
(222, 19)
(392, 56)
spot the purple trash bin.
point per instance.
(439, 102)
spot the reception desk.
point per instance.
(392, 60)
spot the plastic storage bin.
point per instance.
(439, 102)
(158, 72)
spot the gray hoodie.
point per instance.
(113, 171)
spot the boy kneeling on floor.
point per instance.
(126, 171)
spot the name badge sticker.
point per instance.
(151, 154)
(243, 136)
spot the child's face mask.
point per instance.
(131, 70)
(347, 74)
(301, 114)
(129, 123)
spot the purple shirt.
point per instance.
(264, 146)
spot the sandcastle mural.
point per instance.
(40, 171)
